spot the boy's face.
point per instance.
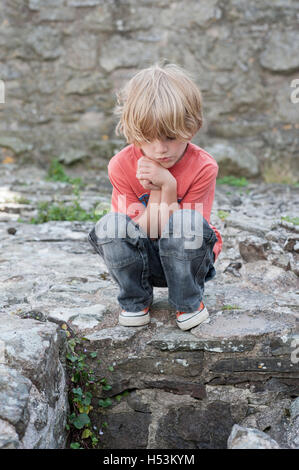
(167, 152)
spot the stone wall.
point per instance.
(33, 389)
(237, 372)
(62, 60)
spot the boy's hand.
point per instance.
(148, 185)
(154, 173)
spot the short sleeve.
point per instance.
(123, 198)
(200, 195)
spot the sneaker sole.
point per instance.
(193, 321)
(139, 320)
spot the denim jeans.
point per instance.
(182, 259)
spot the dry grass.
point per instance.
(279, 172)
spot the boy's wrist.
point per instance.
(169, 185)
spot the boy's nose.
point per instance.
(161, 147)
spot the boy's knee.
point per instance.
(190, 227)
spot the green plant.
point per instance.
(293, 220)
(21, 200)
(232, 181)
(230, 307)
(56, 172)
(246, 191)
(121, 395)
(60, 211)
(222, 214)
(84, 389)
(49, 211)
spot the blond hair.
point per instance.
(159, 101)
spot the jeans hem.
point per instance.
(136, 307)
(184, 308)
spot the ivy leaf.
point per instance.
(81, 420)
(87, 400)
(77, 391)
(75, 445)
(71, 357)
(86, 433)
(76, 377)
(107, 387)
(105, 403)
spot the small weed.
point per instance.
(104, 276)
(82, 394)
(85, 393)
(230, 307)
(21, 200)
(222, 214)
(48, 211)
(287, 412)
(247, 191)
(293, 220)
(56, 172)
(232, 181)
(121, 395)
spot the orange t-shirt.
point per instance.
(195, 174)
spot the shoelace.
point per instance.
(201, 307)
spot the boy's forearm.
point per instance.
(149, 220)
(161, 204)
(168, 204)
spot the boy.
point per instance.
(159, 232)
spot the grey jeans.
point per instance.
(182, 259)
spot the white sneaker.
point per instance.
(185, 321)
(134, 318)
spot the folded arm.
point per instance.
(162, 202)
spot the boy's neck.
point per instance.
(182, 153)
